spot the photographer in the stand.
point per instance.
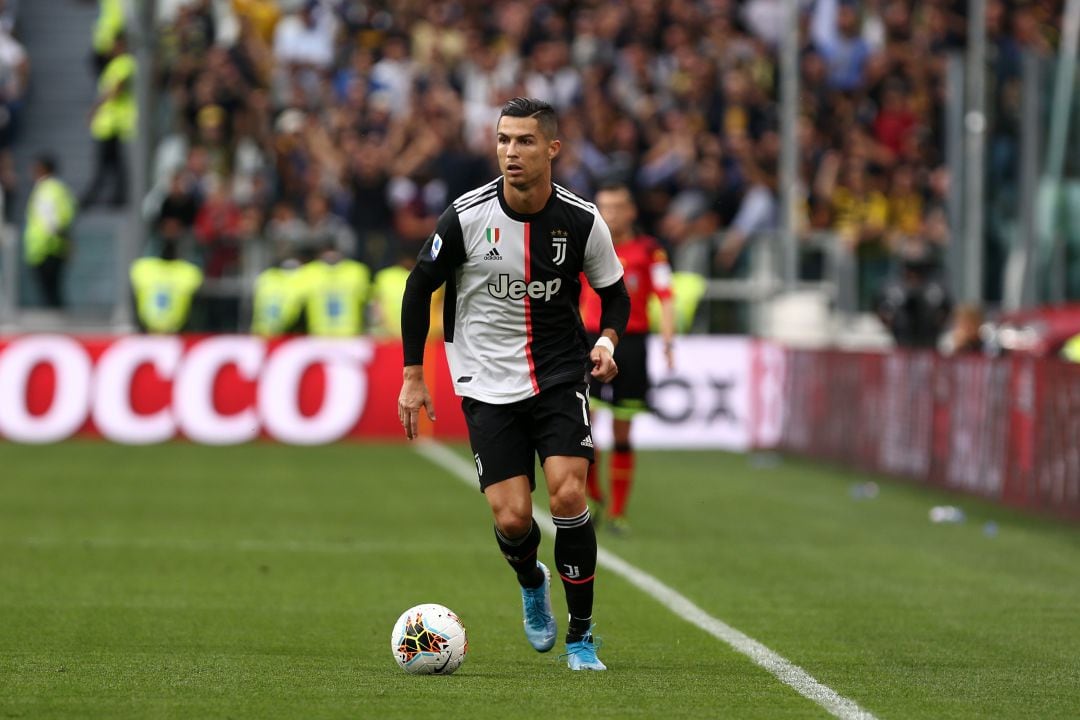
(914, 304)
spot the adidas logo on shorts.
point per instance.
(587, 442)
(493, 254)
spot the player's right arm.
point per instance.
(441, 254)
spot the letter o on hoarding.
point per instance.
(112, 410)
(193, 391)
(71, 399)
(666, 395)
(345, 395)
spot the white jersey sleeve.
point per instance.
(601, 266)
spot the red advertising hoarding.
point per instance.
(218, 390)
(1004, 428)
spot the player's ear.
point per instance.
(553, 149)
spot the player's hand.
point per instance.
(414, 395)
(604, 367)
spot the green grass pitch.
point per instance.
(263, 581)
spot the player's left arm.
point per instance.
(660, 278)
(604, 272)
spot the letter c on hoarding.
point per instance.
(116, 368)
(344, 398)
(71, 398)
(193, 391)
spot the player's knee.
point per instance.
(568, 500)
(513, 522)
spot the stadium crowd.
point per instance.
(14, 81)
(294, 128)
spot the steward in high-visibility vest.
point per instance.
(116, 111)
(109, 24)
(687, 289)
(279, 299)
(113, 122)
(1071, 350)
(388, 288)
(337, 292)
(49, 215)
(163, 289)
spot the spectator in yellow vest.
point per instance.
(49, 215)
(164, 288)
(338, 290)
(387, 289)
(112, 122)
(280, 294)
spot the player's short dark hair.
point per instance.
(531, 107)
(615, 185)
(48, 162)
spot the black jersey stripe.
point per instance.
(567, 191)
(574, 199)
(475, 199)
(571, 194)
(473, 203)
(478, 191)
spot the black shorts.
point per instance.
(507, 438)
(628, 392)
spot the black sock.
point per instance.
(520, 552)
(575, 556)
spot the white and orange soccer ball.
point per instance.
(429, 640)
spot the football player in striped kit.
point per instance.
(510, 254)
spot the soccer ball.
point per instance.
(429, 640)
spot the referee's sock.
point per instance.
(520, 552)
(622, 478)
(592, 481)
(575, 556)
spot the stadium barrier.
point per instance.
(217, 390)
(1007, 429)
(227, 389)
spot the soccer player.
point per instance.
(511, 253)
(647, 273)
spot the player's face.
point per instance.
(525, 155)
(617, 209)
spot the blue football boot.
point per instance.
(581, 655)
(539, 620)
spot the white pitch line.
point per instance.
(783, 669)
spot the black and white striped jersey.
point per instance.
(511, 316)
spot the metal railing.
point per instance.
(9, 276)
(764, 278)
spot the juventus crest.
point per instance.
(558, 245)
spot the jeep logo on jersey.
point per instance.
(517, 289)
